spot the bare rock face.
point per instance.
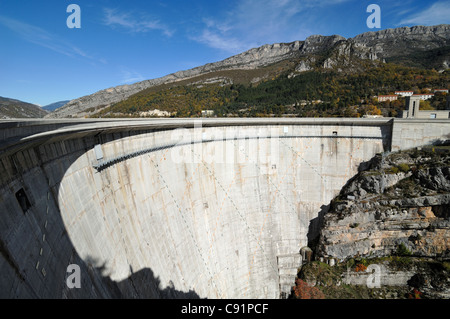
(400, 41)
(318, 43)
(401, 203)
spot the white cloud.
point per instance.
(218, 40)
(130, 76)
(43, 38)
(133, 23)
(256, 22)
(438, 13)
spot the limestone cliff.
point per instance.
(394, 215)
(401, 201)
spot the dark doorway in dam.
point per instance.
(22, 198)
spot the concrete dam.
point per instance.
(175, 208)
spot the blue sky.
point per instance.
(122, 42)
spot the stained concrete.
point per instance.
(222, 217)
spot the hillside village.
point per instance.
(422, 96)
(415, 105)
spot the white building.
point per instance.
(404, 93)
(424, 96)
(207, 113)
(383, 98)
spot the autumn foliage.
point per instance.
(415, 294)
(304, 291)
(360, 267)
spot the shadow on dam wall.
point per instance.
(213, 236)
(35, 248)
(140, 284)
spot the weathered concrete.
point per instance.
(224, 217)
(410, 133)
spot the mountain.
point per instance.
(11, 108)
(421, 46)
(54, 106)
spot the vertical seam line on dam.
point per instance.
(187, 225)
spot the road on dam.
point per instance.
(176, 208)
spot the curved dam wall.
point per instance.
(171, 209)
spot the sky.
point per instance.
(43, 60)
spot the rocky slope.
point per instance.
(11, 108)
(315, 52)
(394, 216)
(402, 201)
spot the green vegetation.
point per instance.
(403, 167)
(423, 59)
(329, 281)
(329, 284)
(317, 93)
(392, 170)
(402, 250)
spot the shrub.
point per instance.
(360, 267)
(402, 250)
(392, 170)
(403, 167)
(304, 291)
(415, 294)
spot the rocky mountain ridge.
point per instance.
(315, 51)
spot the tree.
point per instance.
(426, 105)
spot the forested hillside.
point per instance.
(315, 93)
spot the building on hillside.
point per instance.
(441, 91)
(404, 93)
(413, 110)
(207, 113)
(384, 98)
(424, 96)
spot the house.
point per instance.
(441, 91)
(207, 113)
(404, 93)
(383, 98)
(424, 96)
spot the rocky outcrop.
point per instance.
(400, 205)
(400, 41)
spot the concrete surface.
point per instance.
(217, 208)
